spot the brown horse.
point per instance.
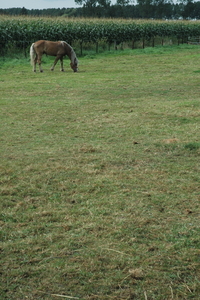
(58, 49)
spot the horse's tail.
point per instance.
(32, 54)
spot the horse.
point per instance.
(58, 49)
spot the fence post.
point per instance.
(81, 45)
(97, 47)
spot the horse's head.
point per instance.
(74, 64)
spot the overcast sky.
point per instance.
(39, 4)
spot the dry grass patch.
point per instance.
(100, 178)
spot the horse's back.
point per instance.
(39, 44)
(49, 47)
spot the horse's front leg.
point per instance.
(55, 62)
(61, 64)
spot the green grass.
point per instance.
(100, 177)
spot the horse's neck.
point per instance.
(73, 56)
(70, 52)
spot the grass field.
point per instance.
(100, 177)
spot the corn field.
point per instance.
(20, 32)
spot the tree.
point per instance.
(93, 3)
(188, 11)
(123, 2)
(160, 8)
(145, 8)
(94, 7)
(104, 3)
(24, 11)
(197, 10)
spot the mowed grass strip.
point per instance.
(100, 177)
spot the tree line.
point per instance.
(155, 9)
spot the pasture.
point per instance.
(100, 177)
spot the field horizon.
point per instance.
(100, 177)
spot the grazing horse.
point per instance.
(58, 49)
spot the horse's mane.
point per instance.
(73, 54)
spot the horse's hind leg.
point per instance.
(38, 59)
(34, 63)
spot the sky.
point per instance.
(39, 4)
